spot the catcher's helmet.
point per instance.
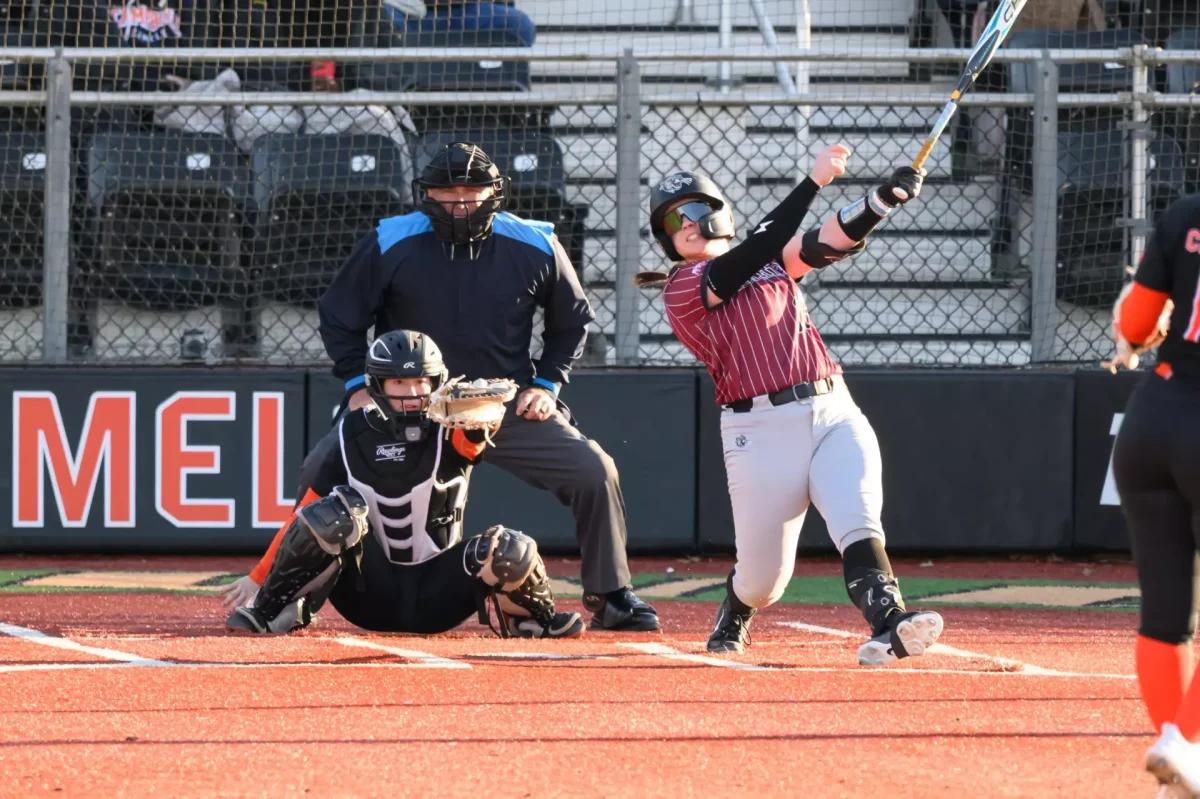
(461, 164)
(404, 353)
(689, 186)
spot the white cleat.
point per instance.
(1175, 761)
(915, 633)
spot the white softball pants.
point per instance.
(778, 459)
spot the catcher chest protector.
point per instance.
(461, 164)
(689, 186)
(404, 354)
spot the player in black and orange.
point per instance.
(1156, 463)
(378, 530)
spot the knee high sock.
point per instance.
(1164, 671)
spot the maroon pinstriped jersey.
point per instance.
(759, 341)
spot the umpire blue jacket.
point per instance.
(480, 312)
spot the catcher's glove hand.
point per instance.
(477, 405)
(1129, 355)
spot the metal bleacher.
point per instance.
(922, 292)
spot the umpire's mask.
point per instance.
(460, 222)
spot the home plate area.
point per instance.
(119, 679)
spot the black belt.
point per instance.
(784, 396)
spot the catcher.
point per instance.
(378, 529)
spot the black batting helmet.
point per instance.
(461, 164)
(403, 353)
(718, 224)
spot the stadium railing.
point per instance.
(161, 246)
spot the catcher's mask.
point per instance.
(404, 354)
(466, 223)
(710, 211)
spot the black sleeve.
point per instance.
(347, 310)
(727, 273)
(568, 314)
(1156, 269)
(323, 468)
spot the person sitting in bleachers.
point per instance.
(452, 16)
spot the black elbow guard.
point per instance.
(819, 255)
(859, 218)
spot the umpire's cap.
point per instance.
(689, 186)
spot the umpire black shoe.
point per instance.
(732, 630)
(620, 610)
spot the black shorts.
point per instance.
(1156, 463)
(430, 597)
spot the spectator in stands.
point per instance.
(466, 16)
(1047, 15)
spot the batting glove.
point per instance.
(904, 185)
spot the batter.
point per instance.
(791, 432)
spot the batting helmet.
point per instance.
(717, 224)
(461, 164)
(403, 354)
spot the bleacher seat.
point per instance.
(314, 197)
(534, 163)
(1092, 198)
(1072, 78)
(22, 188)
(447, 76)
(165, 218)
(1184, 78)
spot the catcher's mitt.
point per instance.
(475, 405)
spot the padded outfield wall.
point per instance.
(204, 460)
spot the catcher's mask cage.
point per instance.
(404, 354)
(461, 164)
(681, 186)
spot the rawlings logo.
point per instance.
(145, 24)
(389, 452)
(674, 183)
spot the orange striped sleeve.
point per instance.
(465, 446)
(1140, 312)
(260, 571)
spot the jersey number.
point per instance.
(1192, 333)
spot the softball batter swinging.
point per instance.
(790, 430)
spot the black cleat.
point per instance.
(561, 625)
(620, 610)
(732, 630)
(248, 620)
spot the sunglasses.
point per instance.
(695, 211)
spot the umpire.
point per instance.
(1156, 463)
(470, 276)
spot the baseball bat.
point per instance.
(997, 28)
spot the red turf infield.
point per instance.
(333, 719)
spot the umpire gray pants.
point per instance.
(554, 456)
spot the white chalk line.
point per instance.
(1007, 665)
(424, 660)
(38, 637)
(664, 651)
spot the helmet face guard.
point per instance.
(404, 354)
(708, 209)
(465, 223)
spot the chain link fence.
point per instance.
(202, 224)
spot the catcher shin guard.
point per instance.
(508, 563)
(307, 564)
